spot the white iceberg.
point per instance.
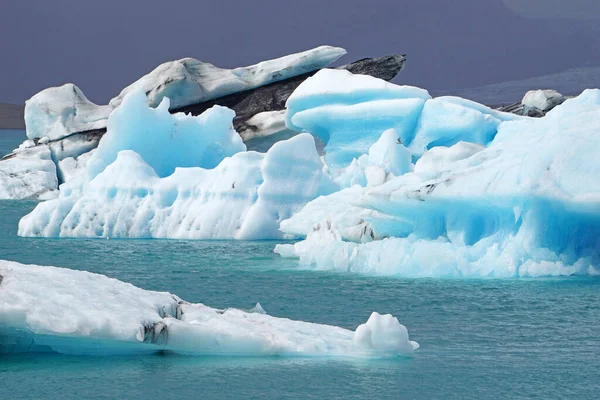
(527, 205)
(139, 182)
(57, 112)
(77, 312)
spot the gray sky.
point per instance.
(102, 46)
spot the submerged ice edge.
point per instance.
(49, 309)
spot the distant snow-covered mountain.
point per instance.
(570, 82)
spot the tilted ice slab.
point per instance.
(528, 205)
(57, 112)
(77, 312)
(188, 81)
(29, 173)
(349, 112)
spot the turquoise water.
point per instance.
(10, 139)
(480, 339)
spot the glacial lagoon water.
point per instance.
(480, 339)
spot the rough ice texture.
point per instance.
(245, 197)
(528, 205)
(29, 173)
(77, 312)
(349, 112)
(58, 112)
(188, 81)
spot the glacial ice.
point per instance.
(57, 112)
(527, 205)
(29, 173)
(245, 196)
(76, 312)
(349, 113)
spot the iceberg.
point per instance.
(161, 175)
(349, 113)
(49, 309)
(526, 205)
(57, 112)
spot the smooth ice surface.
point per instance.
(246, 196)
(29, 174)
(77, 312)
(166, 141)
(188, 81)
(528, 205)
(349, 113)
(58, 112)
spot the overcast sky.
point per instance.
(102, 46)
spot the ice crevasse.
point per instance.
(76, 312)
(528, 204)
(157, 175)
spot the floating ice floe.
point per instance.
(527, 205)
(139, 182)
(76, 312)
